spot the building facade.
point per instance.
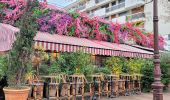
(139, 12)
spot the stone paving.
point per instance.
(143, 96)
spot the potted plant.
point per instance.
(20, 56)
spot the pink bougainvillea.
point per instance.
(13, 11)
(78, 24)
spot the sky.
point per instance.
(60, 3)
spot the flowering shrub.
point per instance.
(77, 24)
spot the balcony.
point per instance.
(131, 17)
(115, 7)
(120, 20)
(100, 12)
(98, 1)
(90, 4)
(91, 15)
(134, 3)
(81, 7)
(136, 16)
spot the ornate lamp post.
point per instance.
(157, 85)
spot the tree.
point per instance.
(20, 55)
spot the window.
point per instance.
(123, 13)
(107, 18)
(121, 1)
(168, 36)
(105, 6)
(114, 3)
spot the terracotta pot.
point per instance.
(14, 94)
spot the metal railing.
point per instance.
(81, 7)
(91, 14)
(137, 16)
(98, 1)
(115, 7)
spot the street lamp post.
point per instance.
(157, 85)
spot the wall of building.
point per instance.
(164, 17)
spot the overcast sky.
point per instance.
(60, 3)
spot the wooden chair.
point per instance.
(77, 83)
(127, 78)
(137, 83)
(113, 84)
(54, 81)
(132, 85)
(121, 87)
(37, 88)
(96, 80)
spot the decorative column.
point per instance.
(157, 85)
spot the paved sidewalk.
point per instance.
(143, 96)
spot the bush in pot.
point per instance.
(20, 55)
(115, 64)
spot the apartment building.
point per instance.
(139, 12)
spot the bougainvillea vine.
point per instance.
(77, 24)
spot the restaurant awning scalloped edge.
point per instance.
(59, 43)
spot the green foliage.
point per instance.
(147, 71)
(2, 12)
(165, 66)
(134, 66)
(43, 70)
(115, 64)
(103, 70)
(20, 55)
(72, 63)
(54, 68)
(71, 31)
(3, 65)
(37, 12)
(147, 79)
(74, 14)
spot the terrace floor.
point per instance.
(143, 96)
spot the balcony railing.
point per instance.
(91, 14)
(98, 1)
(115, 7)
(123, 19)
(81, 7)
(100, 12)
(90, 4)
(133, 3)
(136, 16)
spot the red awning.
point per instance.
(7, 36)
(61, 43)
